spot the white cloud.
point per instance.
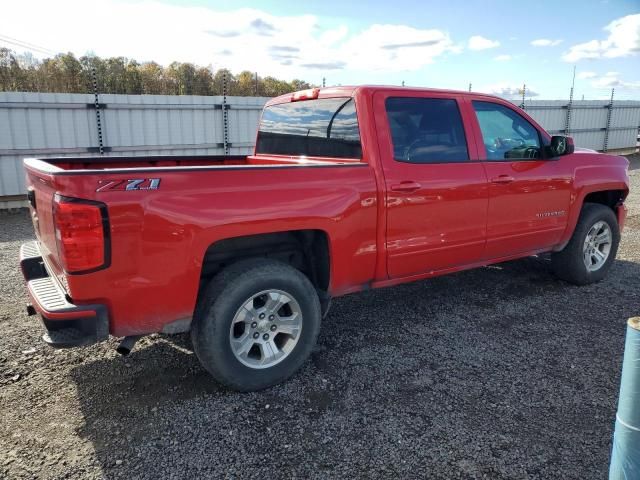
(502, 58)
(478, 42)
(508, 90)
(405, 48)
(285, 46)
(330, 37)
(623, 40)
(585, 75)
(545, 42)
(612, 80)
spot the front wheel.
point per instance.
(256, 324)
(592, 249)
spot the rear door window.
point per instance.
(326, 127)
(426, 130)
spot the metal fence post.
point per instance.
(96, 103)
(225, 114)
(625, 455)
(608, 126)
(567, 123)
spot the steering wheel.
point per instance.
(419, 143)
(531, 152)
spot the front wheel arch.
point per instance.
(569, 264)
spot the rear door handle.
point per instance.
(502, 179)
(406, 187)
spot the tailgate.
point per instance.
(40, 192)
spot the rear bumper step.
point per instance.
(67, 325)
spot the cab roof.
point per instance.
(351, 90)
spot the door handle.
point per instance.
(502, 179)
(406, 187)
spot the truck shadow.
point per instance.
(483, 360)
(16, 226)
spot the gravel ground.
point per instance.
(499, 372)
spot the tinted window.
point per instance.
(506, 134)
(325, 127)
(426, 130)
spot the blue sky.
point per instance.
(495, 45)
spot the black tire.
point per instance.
(218, 305)
(568, 264)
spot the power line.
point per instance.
(29, 46)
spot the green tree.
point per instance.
(273, 87)
(245, 84)
(218, 81)
(11, 76)
(152, 78)
(133, 78)
(299, 85)
(67, 74)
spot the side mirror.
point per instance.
(561, 145)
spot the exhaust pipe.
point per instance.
(127, 343)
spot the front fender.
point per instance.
(590, 179)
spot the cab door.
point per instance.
(436, 194)
(529, 193)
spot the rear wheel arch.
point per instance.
(308, 251)
(225, 352)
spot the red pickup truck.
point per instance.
(349, 188)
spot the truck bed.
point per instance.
(165, 213)
(101, 163)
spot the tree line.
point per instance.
(64, 73)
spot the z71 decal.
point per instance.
(128, 185)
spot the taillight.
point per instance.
(82, 234)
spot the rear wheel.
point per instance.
(256, 324)
(592, 249)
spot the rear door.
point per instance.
(529, 194)
(436, 195)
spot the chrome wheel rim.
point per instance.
(597, 246)
(265, 329)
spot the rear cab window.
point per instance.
(426, 130)
(325, 127)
